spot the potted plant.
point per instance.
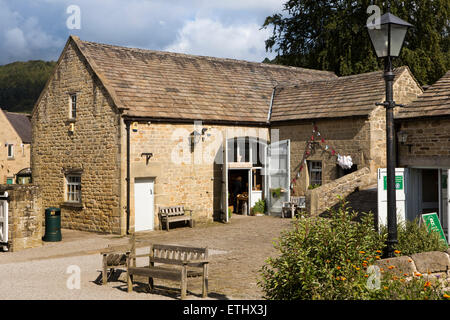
(259, 208)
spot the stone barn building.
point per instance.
(423, 130)
(119, 132)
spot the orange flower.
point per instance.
(409, 260)
(362, 252)
(378, 257)
(427, 284)
(391, 267)
(417, 274)
(385, 288)
(446, 296)
(366, 275)
(405, 274)
(378, 251)
(397, 251)
(339, 268)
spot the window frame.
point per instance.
(72, 192)
(312, 170)
(73, 106)
(10, 156)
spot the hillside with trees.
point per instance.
(21, 84)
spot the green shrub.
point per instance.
(327, 258)
(413, 238)
(322, 258)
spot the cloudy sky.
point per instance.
(38, 29)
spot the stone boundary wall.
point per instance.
(24, 216)
(320, 199)
(428, 264)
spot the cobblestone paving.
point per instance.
(237, 251)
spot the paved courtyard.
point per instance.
(237, 252)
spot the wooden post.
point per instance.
(105, 269)
(205, 276)
(129, 280)
(167, 223)
(205, 281)
(151, 264)
(183, 282)
(133, 248)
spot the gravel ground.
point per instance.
(237, 251)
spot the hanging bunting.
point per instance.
(343, 161)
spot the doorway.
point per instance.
(144, 215)
(238, 190)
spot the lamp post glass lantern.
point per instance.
(387, 35)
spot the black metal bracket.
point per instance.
(386, 104)
(147, 156)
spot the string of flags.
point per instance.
(344, 162)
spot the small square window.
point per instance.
(73, 106)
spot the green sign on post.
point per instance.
(398, 182)
(432, 222)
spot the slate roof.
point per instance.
(21, 123)
(340, 97)
(435, 101)
(157, 84)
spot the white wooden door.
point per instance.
(278, 174)
(144, 215)
(3, 219)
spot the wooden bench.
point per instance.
(175, 256)
(115, 256)
(291, 206)
(172, 214)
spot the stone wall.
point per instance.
(427, 144)
(21, 160)
(430, 265)
(318, 200)
(24, 216)
(92, 149)
(349, 136)
(182, 176)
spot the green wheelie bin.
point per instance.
(52, 225)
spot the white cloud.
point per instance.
(22, 37)
(207, 37)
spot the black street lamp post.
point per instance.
(387, 35)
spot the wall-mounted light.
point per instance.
(134, 126)
(72, 127)
(402, 137)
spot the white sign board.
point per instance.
(401, 186)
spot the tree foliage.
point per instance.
(21, 84)
(332, 35)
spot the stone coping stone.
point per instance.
(398, 265)
(433, 261)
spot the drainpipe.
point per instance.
(127, 126)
